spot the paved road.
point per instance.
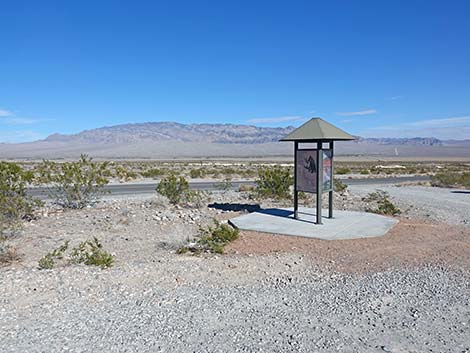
(147, 188)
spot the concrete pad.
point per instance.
(344, 225)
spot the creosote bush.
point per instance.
(176, 189)
(450, 179)
(382, 202)
(48, 261)
(342, 171)
(274, 182)
(212, 239)
(88, 252)
(15, 205)
(339, 186)
(75, 184)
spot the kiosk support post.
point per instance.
(296, 199)
(319, 180)
(330, 193)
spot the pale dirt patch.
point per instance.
(409, 243)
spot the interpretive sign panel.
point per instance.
(307, 167)
(307, 170)
(327, 170)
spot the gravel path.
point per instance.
(84, 310)
(438, 204)
(153, 300)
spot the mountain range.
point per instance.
(170, 140)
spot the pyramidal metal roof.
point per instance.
(317, 129)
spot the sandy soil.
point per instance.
(409, 243)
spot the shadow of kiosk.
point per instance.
(313, 167)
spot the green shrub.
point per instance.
(450, 179)
(274, 183)
(339, 186)
(382, 203)
(224, 185)
(48, 260)
(364, 172)
(342, 170)
(197, 173)
(212, 239)
(90, 252)
(124, 174)
(75, 184)
(176, 189)
(15, 205)
(154, 173)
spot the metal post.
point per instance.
(296, 199)
(330, 193)
(319, 180)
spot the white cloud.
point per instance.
(394, 98)
(23, 121)
(20, 136)
(9, 118)
(5, 113)
(358, 113)
(280, 119)
(445, 128)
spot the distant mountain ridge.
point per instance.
(171, 131)
(414, 141)
(207, 133)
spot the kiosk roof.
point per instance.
(318, 129)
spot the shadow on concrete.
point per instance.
(288, 214)
(460, 192)
(236, 207)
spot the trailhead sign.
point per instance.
(307, 167)
(313, 168)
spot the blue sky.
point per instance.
(374, 68)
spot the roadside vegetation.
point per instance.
(451, 180)
(74, 184)
(211, 239)
(176, 189)
(274, 182)
(15, 206)
(88, 252)
(381, 203)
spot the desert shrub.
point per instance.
(212, 239)
(197, 173)
(88, 252)
(245, 187)
(450, 179)
(381, 203)
(124, 174)
(342, 170)
(224, 185)
(91, 252)
(339, 186)
(48, 261)
(15, 205)
(7, 252)
(154, 173)
(364, 172)
(75, 184)
(274, 183)
(176, 189)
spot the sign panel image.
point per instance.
(307, 170)
(327, 170)
(307, 167)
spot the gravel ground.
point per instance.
(444, 205)
(285, 300)
(73, 310)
